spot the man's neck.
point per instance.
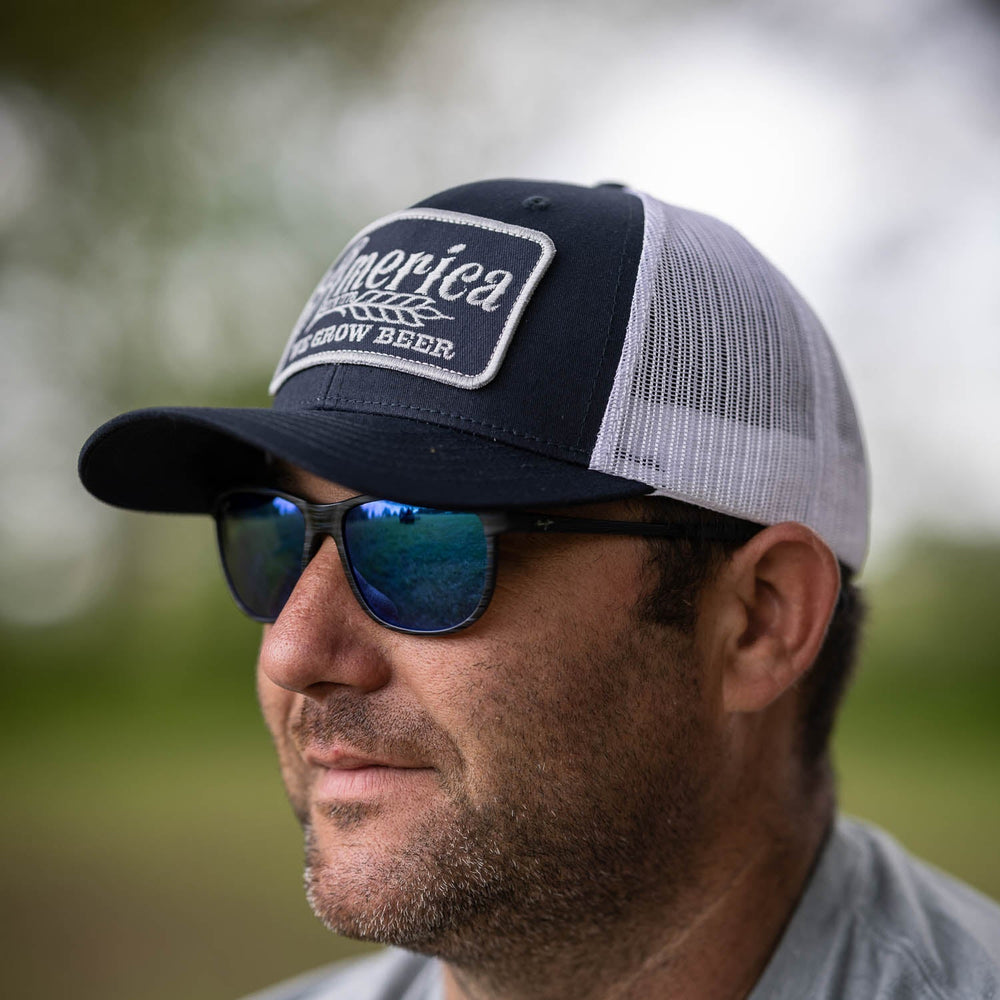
(714, 944)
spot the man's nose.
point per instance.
(323, 637)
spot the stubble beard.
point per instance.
(538, 867)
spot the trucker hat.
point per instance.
(515, 343)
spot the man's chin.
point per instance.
(380, 873)
(371, 891)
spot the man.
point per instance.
(552, 526)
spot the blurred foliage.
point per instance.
(91, 55)
(148, 845)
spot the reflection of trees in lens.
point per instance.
(263, 542)
(431, 568)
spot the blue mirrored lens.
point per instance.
(261, 539)
(418, 568)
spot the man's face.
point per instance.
(537, 774)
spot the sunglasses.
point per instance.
(418, 570)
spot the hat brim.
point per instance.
(180, 459)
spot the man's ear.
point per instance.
(773, 600)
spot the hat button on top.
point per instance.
(536, 202)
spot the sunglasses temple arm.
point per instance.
(560, 524)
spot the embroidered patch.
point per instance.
(425, 291)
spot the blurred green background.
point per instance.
(173, 180)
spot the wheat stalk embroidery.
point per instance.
(382, 307)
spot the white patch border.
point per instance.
(376, 359)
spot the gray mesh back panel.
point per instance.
(728, 394)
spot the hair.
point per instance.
(682, 570)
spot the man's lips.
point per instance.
(343, 773)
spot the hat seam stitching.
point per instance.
(607, 334)
(336, 375)
(470, 420)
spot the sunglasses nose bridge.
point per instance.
(323, 522)
(314, 541)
